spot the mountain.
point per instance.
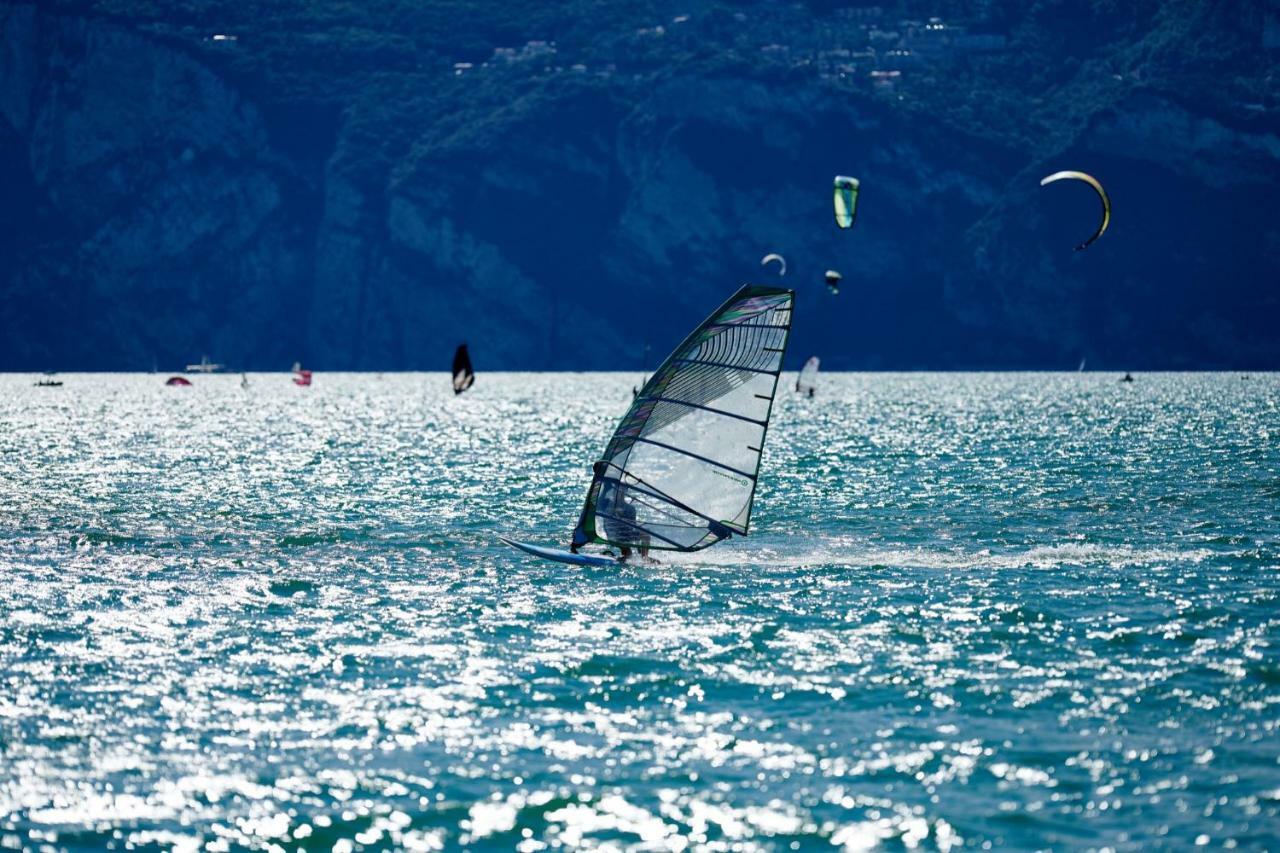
(363, 186)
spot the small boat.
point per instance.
(464, 376)
(300, 376)
(48, 383)
(680, 471)
(205, 366)
(178, 381)
(1128, 377)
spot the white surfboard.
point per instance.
(561, 556)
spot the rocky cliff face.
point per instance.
(161, 203)
(154, 219)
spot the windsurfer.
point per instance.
(627, 515)
(619, 522)
(580, 532)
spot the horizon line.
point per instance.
(319, 371)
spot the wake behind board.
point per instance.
(561, 556)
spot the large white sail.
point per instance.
(680, 471)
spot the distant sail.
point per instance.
(680, 471)
(1097, 188)
(463, 376)
(845, 200)
(807, 381)
(774, 256)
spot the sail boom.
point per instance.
(675, 545)
(650, 491)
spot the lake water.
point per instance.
(1029, 610)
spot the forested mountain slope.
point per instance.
(364, 185)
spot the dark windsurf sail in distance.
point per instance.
(463, 376)
(680, 472)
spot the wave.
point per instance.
(839, 553)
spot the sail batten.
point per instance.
(708, 409)
(680, 471)
(731, 366)
(697, 456)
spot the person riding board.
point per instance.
(619, 521)
(626, 516)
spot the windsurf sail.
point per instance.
(680, 472)
(463, 376)
(807, 381)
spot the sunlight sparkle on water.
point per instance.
(1030, 610)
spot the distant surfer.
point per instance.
(807, 379)
(464, 376)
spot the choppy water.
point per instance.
(1021, 610)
